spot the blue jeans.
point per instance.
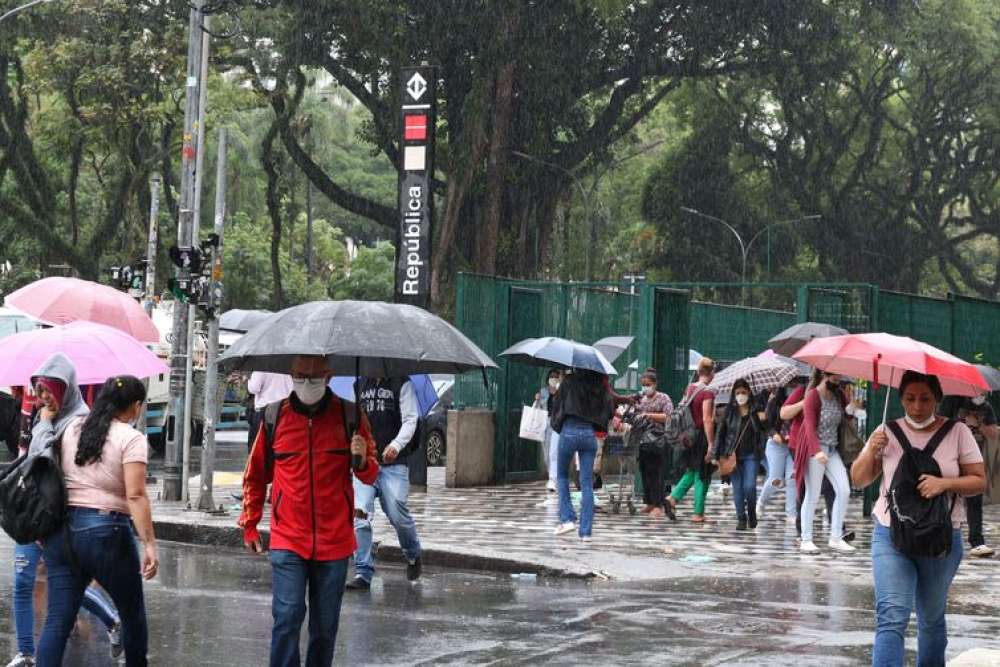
(392, 488)
(26, 558)
(780, 468)
(290, 574)
(902, 583)
(744, 480)
(577, 436)
(104, 550)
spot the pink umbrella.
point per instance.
(882, 357)
(97, 352)
(56, 301)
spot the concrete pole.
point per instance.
(212, 408)
(154, 232)
(179, 347)
(196, 236)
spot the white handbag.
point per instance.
(534, 422)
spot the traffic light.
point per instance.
(186, 257)
(180, 289)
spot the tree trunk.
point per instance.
(273, 197)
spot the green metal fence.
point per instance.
(725, 321)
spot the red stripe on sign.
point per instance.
(415, 127)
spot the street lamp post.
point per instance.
(745, 247)
(583, 193)
(27, 5)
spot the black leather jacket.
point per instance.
(582, 394)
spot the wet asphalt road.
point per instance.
(211, 606)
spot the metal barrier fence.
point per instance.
(725, 321)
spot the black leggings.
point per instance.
(651, 467)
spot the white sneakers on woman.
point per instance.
(807, 547)
(563, 528)
(841, 546)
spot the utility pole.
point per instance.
(205, 500)
(177, 426)
(154, 232)
(196, 236)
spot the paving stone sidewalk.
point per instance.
(510, 529)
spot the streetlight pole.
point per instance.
(22, 8)
(583, 193)
(746, 247)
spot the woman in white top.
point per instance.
(903, 582)
(104, 465)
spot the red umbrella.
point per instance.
(56, 301)
(881, 357)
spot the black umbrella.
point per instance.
(361, 338)
(795, 337)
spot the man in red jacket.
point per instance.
(312, 509)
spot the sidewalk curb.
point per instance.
(185, 533)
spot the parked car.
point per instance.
(435, 424)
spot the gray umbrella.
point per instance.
(613, 347)
(795, 337)
(991, 375)
(242, 320)
(552, 351)
(366, 338)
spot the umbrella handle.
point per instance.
(888, 392)
(356, 458)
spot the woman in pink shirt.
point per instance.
(104, 466)
(903, 582)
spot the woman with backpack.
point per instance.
(941, 465)
(104, 465)
(739, 434)
(816, 457)
(655, 407)
(697, 459)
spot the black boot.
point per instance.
(752, 517)
(741, 523)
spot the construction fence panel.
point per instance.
(976, 330)
(730, 333)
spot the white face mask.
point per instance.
(553, 384)
(742, 399)
(648, 391)
(309, 390)
(920, 425)
(979, 400)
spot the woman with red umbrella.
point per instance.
(904, 581)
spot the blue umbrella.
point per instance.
(343, 386)
(552, 351)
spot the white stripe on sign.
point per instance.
(415, 158)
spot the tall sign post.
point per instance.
(416, 198)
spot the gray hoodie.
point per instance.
(59, 367)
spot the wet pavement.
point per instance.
(210, 606)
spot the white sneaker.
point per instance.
(840, 545)
(760, 511)
(22, 660)
(982, 551)
(551, 487)
(563, 528)
(585, 539)
(808, 547)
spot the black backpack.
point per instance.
(33, 496)
(921, 527)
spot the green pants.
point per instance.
(700, 490)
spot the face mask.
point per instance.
(309, 390)
(648, 391)
(833, 385)
(742, 399)
(979, 400)
(553, 384)
(920, 425)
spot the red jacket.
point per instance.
(312, 493)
